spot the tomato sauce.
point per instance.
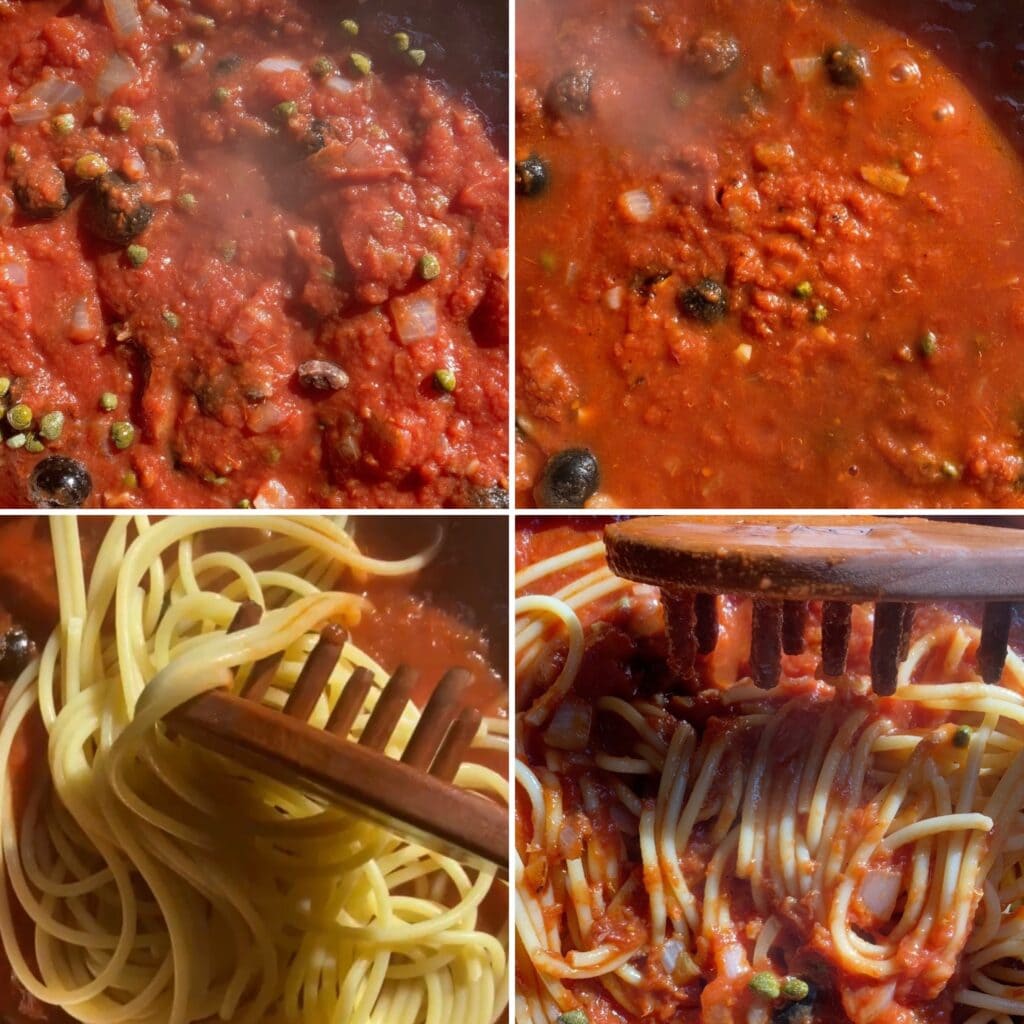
(255, 253)
(769, 255)
(424, 621)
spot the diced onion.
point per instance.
(14, 273)
(636, 205)
(118, 71)
(273, 494)
(195, 58)
(570, 726)
(415, 319)
(734, 961)
(81, 326)
(338, 84)
(277, 64)
(123, 16)
(879, 891)
(804, 68)
(613, 297)
(39, 101)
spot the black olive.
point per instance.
(570, 94)
(707, 301)
(320, 375)
(114, 209)
(645, 280)
(16, 651)
(489, 497)
(801, 1012)
(314, 138)
(41, 191)
(569, 478)
(59, 482)
(715, 54)
(846, 65)
(531, 176)
(226, 65)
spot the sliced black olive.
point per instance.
(846, 65)
(715, 54)
(531, 176)
(16, 651)
(706, 301)
(569, 479)
(489, 497)
(646, 279)
(114, 209)
(320, 375)
(41, 190)
(59, 482)
(570, 94)
(314, 138)
(226, 65)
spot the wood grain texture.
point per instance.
(853, 558)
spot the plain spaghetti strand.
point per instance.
(894, 824)
(163, 885)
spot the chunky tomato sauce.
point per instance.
(253, 253)
(424, 621)
(624, 657)
(769, 255)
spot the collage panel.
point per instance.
(769, 770)
(254, 254)
(768, 254)
(254, 769)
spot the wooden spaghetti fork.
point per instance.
(784, 563)
(414, 798)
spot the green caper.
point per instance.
(122, 433)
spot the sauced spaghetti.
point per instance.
(811, 853)
(147, 881)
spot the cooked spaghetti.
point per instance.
(147, 881)
(811, 853)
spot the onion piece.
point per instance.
(636, 205)
(123, 16)
(879, 891)
(338, 84)
(570, 725)
(276, 64)
(273, 494)
(734, 961)
(888, 179)
(415, 319)
(195, 57)
(81, 325)
(804, 68)
(14, 273)
(39, 101)
(118, 71)
(614, 296)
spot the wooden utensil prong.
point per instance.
(440, 712)
(705, 608)
(350, 703)
(794, 624)
(766, 642)
(680, 629)
(249, 613)
(836, 621)
(886, 642)
(316, 672)
(995, 637)
(388, 709)
(456, 744)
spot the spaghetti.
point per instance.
(164, 885)
(809, 853)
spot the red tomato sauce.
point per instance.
(343, 204)
(856, 212)
(422, 621)
(808, 950)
